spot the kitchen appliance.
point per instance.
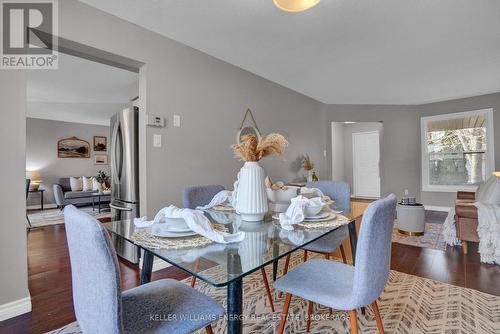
(124, 156)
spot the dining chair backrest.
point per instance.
(373, 253)
(199, 195)
(339, 191)
(94, 272)
(28, 182)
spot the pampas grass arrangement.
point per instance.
(307, 164)
(251, 149)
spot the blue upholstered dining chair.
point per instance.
(202, 195)
(199, 195)
(339, 191)
(341, 286)
(101, 306)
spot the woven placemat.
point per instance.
(339, 220)
(146, 239)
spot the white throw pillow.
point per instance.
(490, 192)
(87, 183)
(76, 183)
(96, 186)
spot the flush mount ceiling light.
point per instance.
(295, 5)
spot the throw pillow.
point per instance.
(87, 183)
(76, 183)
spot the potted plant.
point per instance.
(102, 179)
(249, 198)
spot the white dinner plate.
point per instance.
(161, 231)
(321, 215)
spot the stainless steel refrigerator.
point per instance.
(124, 140)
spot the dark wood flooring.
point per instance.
(50, 276)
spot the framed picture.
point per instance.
(73, 147)
(100, 144)
(100, 159)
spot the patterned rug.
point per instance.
(409, 305)
(432, 238)
(47, 217)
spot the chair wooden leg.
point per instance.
(309, 315)
(196, 266)
(354, 321)
(285, 270)
(284, 313)
(342, 251)
(327, 256)
(465, 247)
(380, 326)
(305, 255)
(268, 290)
(209, 329)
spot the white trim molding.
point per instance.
(437, 208)
(490, 150)
(15, 308)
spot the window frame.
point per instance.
(490, 149)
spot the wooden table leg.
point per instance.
(147, 267)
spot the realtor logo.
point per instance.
(28, 34)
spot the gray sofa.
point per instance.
(64, 196)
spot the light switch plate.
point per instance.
(177, 121)
(156, 140)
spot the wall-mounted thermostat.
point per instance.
(157, 121)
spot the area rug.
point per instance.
(56, 216)
(432, 238)
(409, 305)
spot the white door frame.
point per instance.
(354, 160)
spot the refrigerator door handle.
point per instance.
(113, 160)
(121, 208)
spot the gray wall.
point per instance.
(401, 140)
(13, 275)
(41, 154)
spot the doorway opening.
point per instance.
(356, 152)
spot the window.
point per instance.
(457, 150)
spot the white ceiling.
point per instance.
(341, 51)
(80, 91)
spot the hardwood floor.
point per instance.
(50, 276)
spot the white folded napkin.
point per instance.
(223, 196)
(200, 224)
(295, 212)
(143, 222)
(316, 191)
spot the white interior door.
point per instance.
(365, 165)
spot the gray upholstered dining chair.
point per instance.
(202, 195)
(341, 286)
(163, 306)
(339, 191)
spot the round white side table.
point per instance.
(411, 219)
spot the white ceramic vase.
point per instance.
(251, 199)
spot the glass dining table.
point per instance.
(264, 244)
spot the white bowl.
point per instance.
(311, 211)
(176, 223)
(282, 196)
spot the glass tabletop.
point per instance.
(221, 264)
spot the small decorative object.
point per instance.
(100, 144)
(73, 148)
(308, 166)
(100, 159)
(250, 199)
(102, 179)
(314, 178)
(248, 129)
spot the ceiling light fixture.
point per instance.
(295, 5)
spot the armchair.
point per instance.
(466, 219)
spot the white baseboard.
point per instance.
(15, 308)
(437, 208)
(158, 264)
